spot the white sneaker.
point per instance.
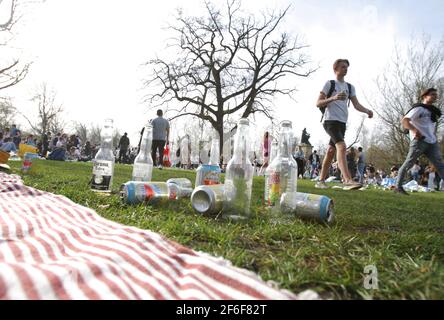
(352, 186)
(321, 185)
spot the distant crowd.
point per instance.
(56, 146)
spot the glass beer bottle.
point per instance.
(239, 177)
(281, 174)
(103, 163)
(143, 164)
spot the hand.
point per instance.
(370, 113)
(340, 96)
(418, 135)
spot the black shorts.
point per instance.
(336, 131)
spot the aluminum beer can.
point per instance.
(208, 199)
(181, 182)
(308, 206)
(180, 188)
(135, 192)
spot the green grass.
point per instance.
(402, 236)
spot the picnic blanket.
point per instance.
(53, 248)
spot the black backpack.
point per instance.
(330, 93)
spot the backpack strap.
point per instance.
(349, 93)
(332, 88)
(329, 94)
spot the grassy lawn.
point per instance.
(402, 236)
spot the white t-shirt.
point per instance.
(420, 119)
(415, 169)
(338, 110)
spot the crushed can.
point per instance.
(308, 206)
(209, 199)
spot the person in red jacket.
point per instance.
(166, 156)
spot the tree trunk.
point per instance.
(220, 131)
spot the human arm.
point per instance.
(407, 124)
(360, 107)
(323, 101)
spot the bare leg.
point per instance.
(342, 161)
(328, 159)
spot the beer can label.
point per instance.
(27, 163)
(102, 175)
(174, 191)
(210, 174)
(181, 182)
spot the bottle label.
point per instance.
(102, 175)
(142, 172)
(274, 188)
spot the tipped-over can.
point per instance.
(136, 192)
(308, 206)
(181, 182)
(180, 188)
(208, 199)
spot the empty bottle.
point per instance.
(103, 163)
(143, 164)
(239, 177)
(209, 174)
(274, 150)
(281, 174)
(273, 154)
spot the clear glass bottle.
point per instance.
(209, 174)
(143, 164)
(239, 177)
(274, 150)
(281, 174)
(103, 163)
(273, 154)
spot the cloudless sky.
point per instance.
(91, 52)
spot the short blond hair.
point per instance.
(338, 61)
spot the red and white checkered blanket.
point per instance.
(53, 248)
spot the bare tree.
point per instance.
(58, 124)
(94, 134)
(12, 71)
(116, 138)
(7, 113)
(358, 133)
(227, 63)
(419, 66)
(49, 111)
(82, 131)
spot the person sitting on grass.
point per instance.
(8, 146)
